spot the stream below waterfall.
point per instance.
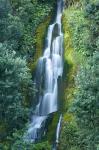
(49, 69)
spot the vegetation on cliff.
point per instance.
(81, 120)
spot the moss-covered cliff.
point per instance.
(72, 60)
(80, 25)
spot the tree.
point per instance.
(14, 75)
(91, 11)
(5, 8)
(86, 102)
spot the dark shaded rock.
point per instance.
(55, 31)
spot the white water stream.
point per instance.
(49, 68)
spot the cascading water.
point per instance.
(49, 68)
(58, 129)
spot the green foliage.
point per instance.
(18, 23)
(5, 8)
(69, 137)
(14, 74)
(86, 102)
(31, 14)
(30, 146)
(92, 14)
(79, 30)
(83, 23)
(17, 143)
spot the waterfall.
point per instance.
(58, 129)
(49, 68)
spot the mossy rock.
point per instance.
(52, 127)
(39, 44)
(55, 30)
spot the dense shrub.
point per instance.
(83, 23)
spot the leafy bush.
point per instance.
(14, 75)
(69, 137)
(86, 102)
(83, 23)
